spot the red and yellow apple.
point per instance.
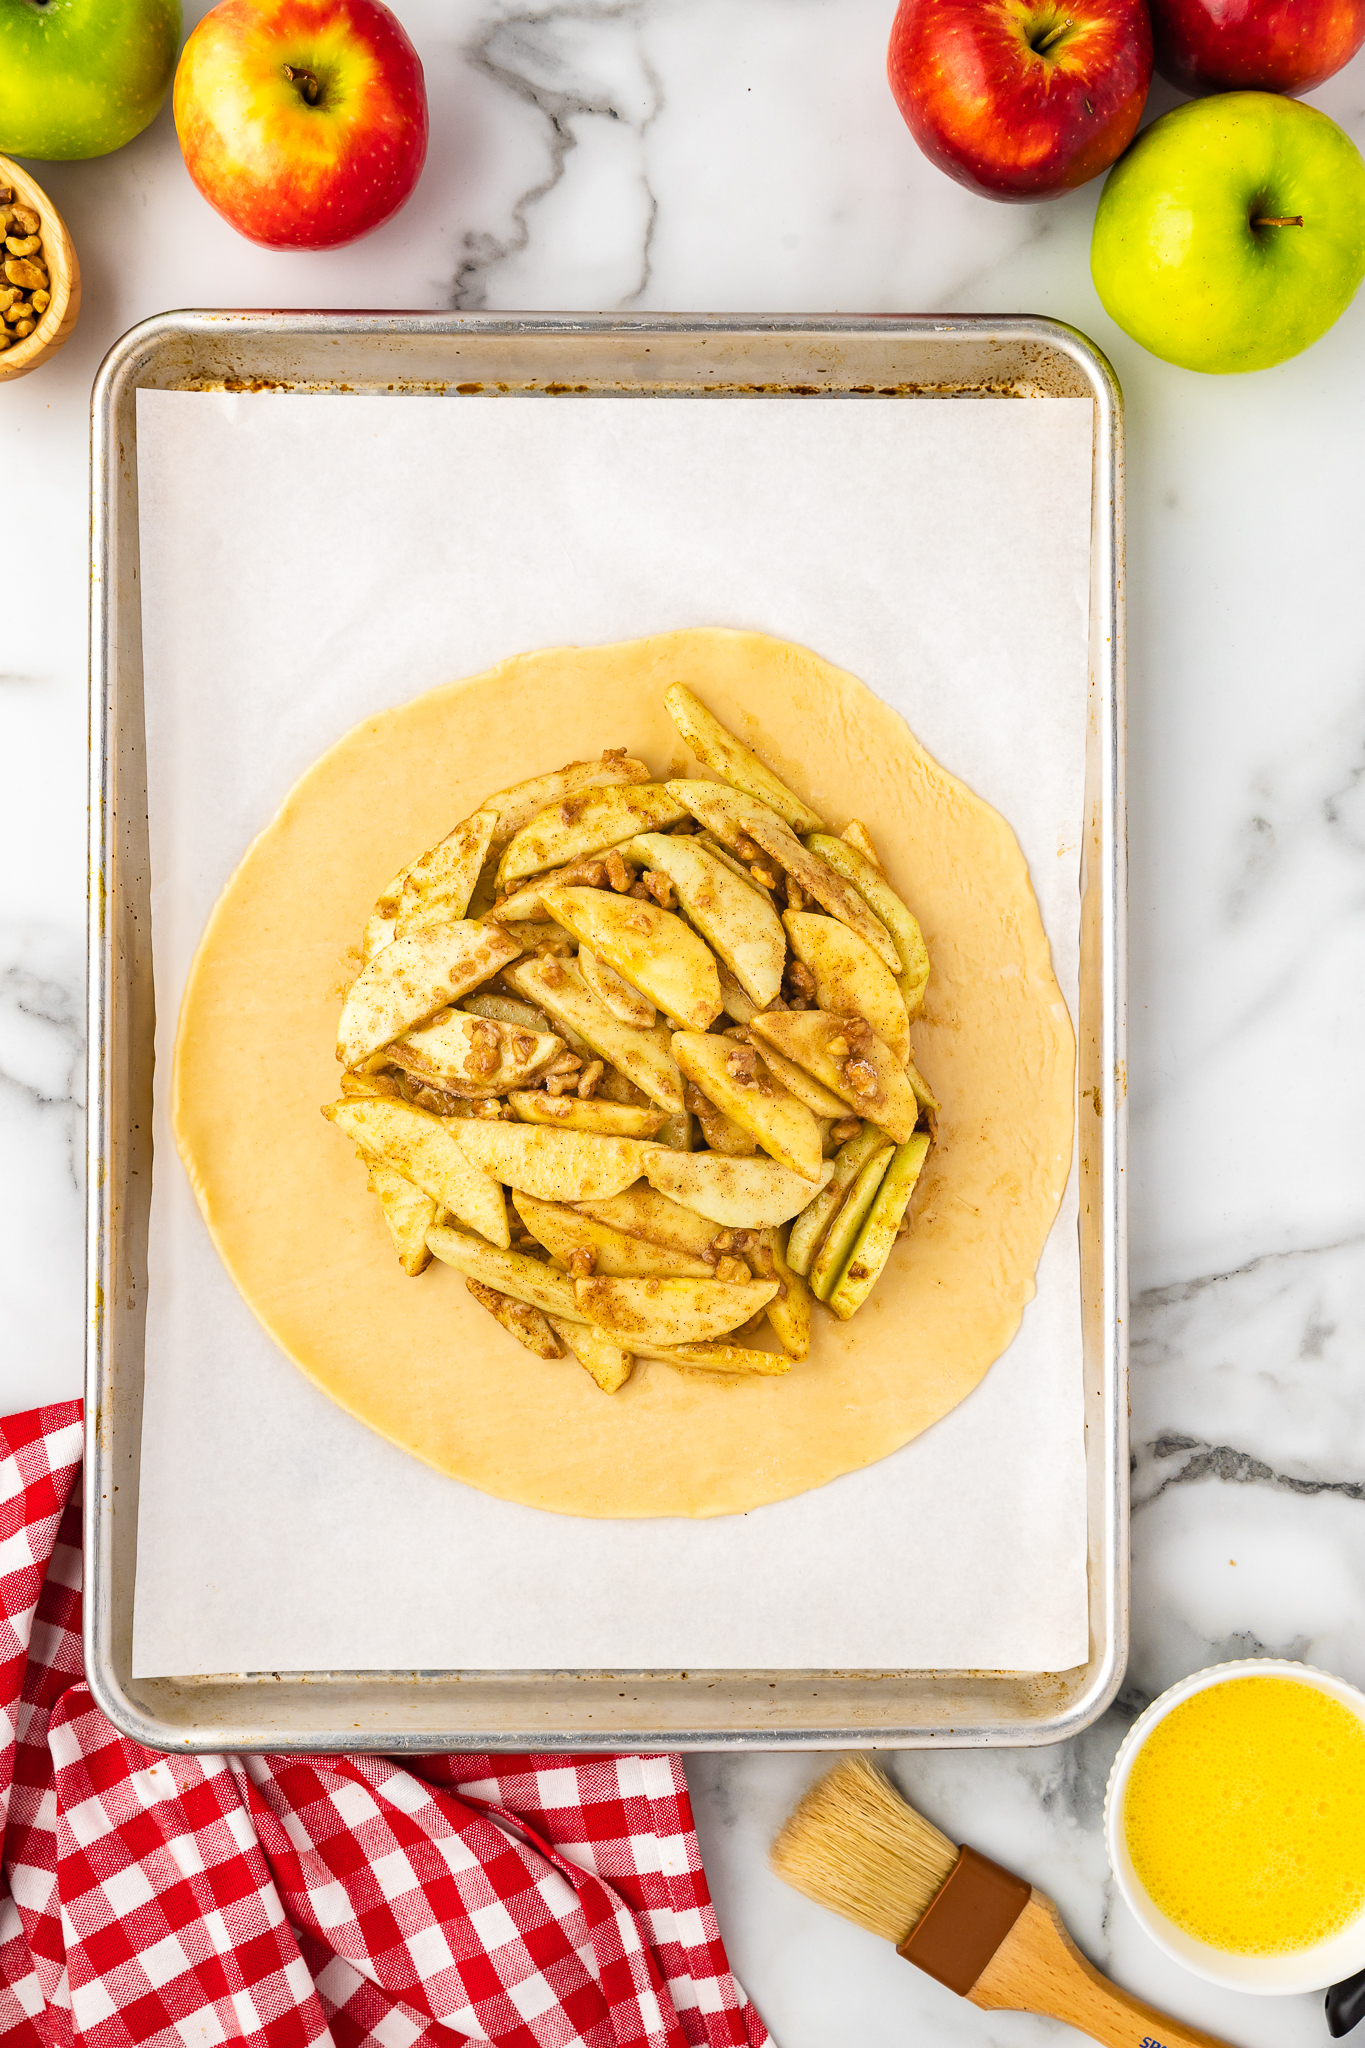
(303, 122)
(1021, 99)
(1255, 45)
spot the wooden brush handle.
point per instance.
(1038, 1968)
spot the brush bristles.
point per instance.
(855, 1846)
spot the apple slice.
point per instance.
(514, 1273)
(619, 1256)
(833, 1254)
(858, 866)
(595, 1351)
(873, 1245)
(737, 1194)
(644, 1057)
(408, 1212)
(593, 821)
(556, 1166)
(717, 1357)
(734, 918)
(655, 951)
(820, 1043)
(473, 1056)
(423, 1147)
(720, 1133)
(734, 818)
(437, 888)
(373, 1087)
(670, 1311)
(567, 1113)
(729, 758)
(856, 834)
(626, 1004)
(808, 1231)
(530, 1326)
(413, 978)
(789, 1312)
(517, 806)
(819, 1100)
(850, 979)
(507, 1010)
(732, 1075)
(643, 1213)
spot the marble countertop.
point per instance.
(745, 155)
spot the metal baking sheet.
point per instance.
(787, 358)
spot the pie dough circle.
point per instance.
(419, 1360)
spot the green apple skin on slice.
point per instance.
(784, 1127)
(514, 1273)
(670, 1311)
(655, 951)
(881, 899)
(728, 757)
(422, 1146)
(843, 1232)
(591, 822)
(850, 979)
(1232, 233)
(808, 1230)
(644, 1057)
(733, 917)
(872, 1248)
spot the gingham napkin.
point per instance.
(178, 1902)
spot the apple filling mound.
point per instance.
(585, 972)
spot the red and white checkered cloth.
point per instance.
(178, 1902)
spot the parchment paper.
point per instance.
(307, 561)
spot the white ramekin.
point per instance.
(1305, 1969)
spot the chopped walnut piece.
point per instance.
(763, 1267)
(618, 873)
(731, 1269)
(523, 1045)
(485, 1053)
(613, 753)
(796, 895)
(741, 1064)
(551, 968)
(589, 1078)
(861, 1076)
(847, 1127)
(659, 887)
(800, 978)
(838, 1048)
(583, 1262)
(640, 892)
(24, 219)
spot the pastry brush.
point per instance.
(855, 1846)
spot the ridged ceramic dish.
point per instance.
(63, 271)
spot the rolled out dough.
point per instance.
(419, 1360)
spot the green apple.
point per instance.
(1232, 233)
(82, 77)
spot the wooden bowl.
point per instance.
(64, 278)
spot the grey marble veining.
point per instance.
(723, 154)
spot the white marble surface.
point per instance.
(712, 154)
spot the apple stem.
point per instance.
(1278, 220)
(305, 81)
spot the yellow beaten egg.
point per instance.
(1244, 1816)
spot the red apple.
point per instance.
(303, 122)
(1021, 99)
(1256, 45)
